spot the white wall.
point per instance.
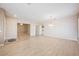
(2, 23)
(38, 30)
(24, 21)
(78, 28)
(65, 28)
(11, 28)
(32, 29)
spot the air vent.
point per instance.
(11, 40)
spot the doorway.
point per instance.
(23, 31)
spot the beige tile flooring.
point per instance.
(41, 46)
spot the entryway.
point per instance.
(23, 31)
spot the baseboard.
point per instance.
(72, 39)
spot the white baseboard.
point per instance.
(72, 39)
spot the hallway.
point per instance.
(23, 31)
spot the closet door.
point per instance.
(1, 27)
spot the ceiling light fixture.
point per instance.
(51, 21)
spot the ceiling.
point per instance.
(38, 12)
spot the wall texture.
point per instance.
(32, 29)
(78, 28)
(11, 28)
(2, 26)
(65, 28)
(38, 30)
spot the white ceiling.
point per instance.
(37, 12)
